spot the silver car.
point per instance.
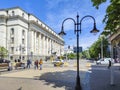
(104, 61)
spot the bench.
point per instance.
(20, 65)
(5, 66)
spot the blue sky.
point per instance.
(53, 12)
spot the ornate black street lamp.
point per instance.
(77, 29)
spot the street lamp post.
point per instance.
(77, 29)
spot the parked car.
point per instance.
(104, 61)
(58, 62)
(5, 64)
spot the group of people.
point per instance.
(37, 63)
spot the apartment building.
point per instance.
(26, 36)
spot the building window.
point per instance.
(23, 58)
(37, 21)
(23, 41)
(12, 31)
(22, 14)
(12, 50)
(11, 57)
(13, 13)
(12, 40)
(23, 50)
(23, 32)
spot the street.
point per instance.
(100, 78)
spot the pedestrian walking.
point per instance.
(28, 63)
(109, 65)
(40, 63)
(15, 64)
(36, 64)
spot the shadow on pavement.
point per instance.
(65, 79)
(19, 88)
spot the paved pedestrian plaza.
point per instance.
(52, 78)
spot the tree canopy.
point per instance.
(112, 17)
(95, 49)
(3, 52)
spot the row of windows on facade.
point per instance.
(23, 35)
(12, 33)
(12, 49)
(13, 14)
(22, 50)
(19, 58)
(12, 36)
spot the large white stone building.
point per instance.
(25, 36)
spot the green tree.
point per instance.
(112, 17)
(71, 55)
(85, 54)
(95, 49)
(3, 52)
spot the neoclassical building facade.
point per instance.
(25, 36)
